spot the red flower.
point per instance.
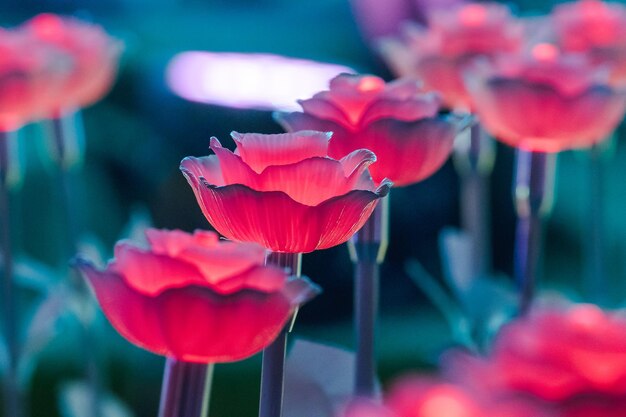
(195, 298)
(555, 355)
(547, 101)
(396, 121)
(93, 53)
(594, 27)
(283, 191)
(29, 77)
(455, 37)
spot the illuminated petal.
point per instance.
(281, 224)
(260, 151)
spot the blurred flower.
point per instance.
(397, 121)
(554, 354)
(594, 27)
(546, 101)
(30, 76)
(455, 37)
(365, 407)
(194, 297)
(93, 53)
(283, 191)
(417, 396)
(376, 18)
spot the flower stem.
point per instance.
(273, 368)
(367, 251)
(186, 389)
(534, 195)
(474, 158)
(62, 130)
(595, 280)
(12, 394)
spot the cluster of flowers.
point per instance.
(558, 87)
(51, 66)
(559, 361)
(195, 298)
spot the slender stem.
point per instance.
(368, 248)
(474, 161)
(534, 195)
(273, 368)
(595, 279)
(12, 394)
(62, 131)
(186, 389)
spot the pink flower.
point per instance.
(455, 38)
(594, 27)
(29, 77)
(546, 101)
(283, 191)
(417, 396)
(93, 53)
(558, 355)
(195, 298)
(397, 121)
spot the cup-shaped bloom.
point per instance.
(196, 298)
(29, 77)
(283, 191)
(398, 121)
(555, 354)
(596, 28)
(455, 37)
(546, 101)
(94, 55)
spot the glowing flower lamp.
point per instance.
(542, 103)
(195, 299)
(401, 124)
(438, 54)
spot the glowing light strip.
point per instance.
(259, 81)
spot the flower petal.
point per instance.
(207, 167)
(151, 273)
(315, 180)
(234, 169)
(409, 109)
(277, 222)
(172, 242)
(259, 151)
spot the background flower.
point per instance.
(398, 121)
(594, 27)
(455, 37)
(195, 298)
(93, 53)
(546, 101)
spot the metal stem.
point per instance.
(368, 248)
(534, 195)
(595, 278)
(186, 389)
(273, 368)
(474, 157)
(12, 394)
(62, 128)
